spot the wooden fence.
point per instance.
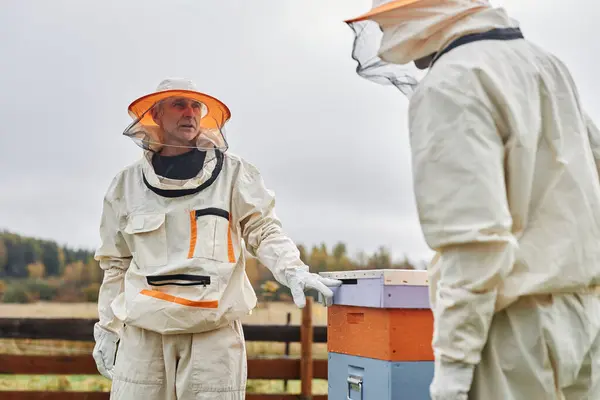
(305, 368)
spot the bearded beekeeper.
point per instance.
(173, 229)
(505, 169)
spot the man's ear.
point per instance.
(156, 113)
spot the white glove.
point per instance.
(301, 280)
(105, 350)
(451, 381)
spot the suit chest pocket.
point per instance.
(149, 239)
(210, 236)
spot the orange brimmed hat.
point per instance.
(215, 113)
(381, 6)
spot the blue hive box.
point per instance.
(359, 378)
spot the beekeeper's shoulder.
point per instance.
(447, 81)
(126, 176)
(241, 167)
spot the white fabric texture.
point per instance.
(542, 347)
(506, 184)
(202, 366)
(149, 237)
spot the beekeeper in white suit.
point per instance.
(172, 231)
(505, 166)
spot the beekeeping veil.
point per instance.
(397, 32)
(206, 128)
(146, 133)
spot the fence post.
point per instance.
(287, 349)
(306, 361)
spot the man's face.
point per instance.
(179, 117)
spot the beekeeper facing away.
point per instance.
(505, 165)
(172, 231)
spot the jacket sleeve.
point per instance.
(459, 181)
(261, 230)
(114, 257)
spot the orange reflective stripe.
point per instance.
(230, 252)
(194, 233)
(180, 300)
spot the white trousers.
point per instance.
(202, 366)
(542, 348)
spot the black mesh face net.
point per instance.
(367, 40)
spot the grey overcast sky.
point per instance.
(333, 146)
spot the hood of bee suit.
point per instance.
(427, 26)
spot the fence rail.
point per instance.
(258, 368)
(304, 368)
(71, 329)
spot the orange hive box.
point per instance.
(391, 334)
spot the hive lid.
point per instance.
(403, 277)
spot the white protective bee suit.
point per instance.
(175, 286)
(505, 168)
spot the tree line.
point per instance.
(33, 269)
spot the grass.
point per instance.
(267, 313)
(54, 383)
(94, 383)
